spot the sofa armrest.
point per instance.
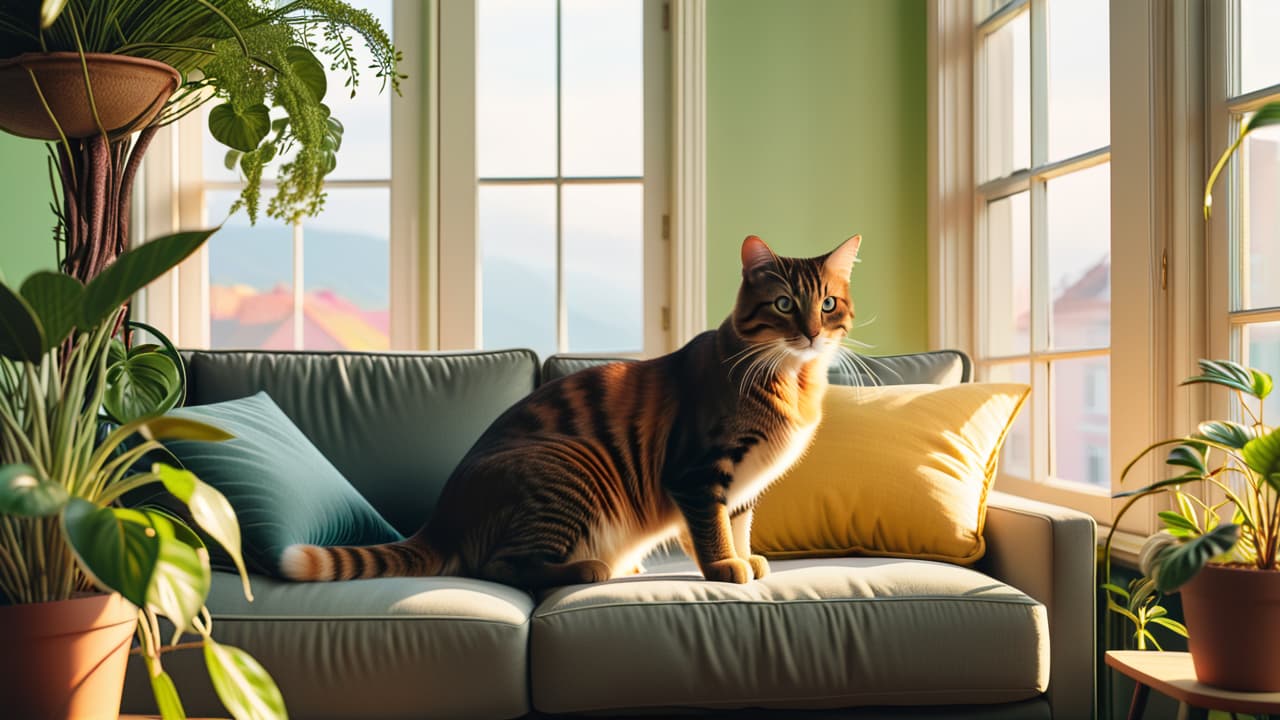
(1049, 552)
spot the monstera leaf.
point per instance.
(241, 129)
(146, 381)
(1177, 563)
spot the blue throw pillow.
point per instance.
(283, 489)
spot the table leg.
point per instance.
(1138, 705)
(1191, 712)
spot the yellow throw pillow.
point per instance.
(898, 471)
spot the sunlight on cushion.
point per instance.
(898, 471)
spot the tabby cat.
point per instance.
(577, 482)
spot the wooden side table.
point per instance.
(1172, 674)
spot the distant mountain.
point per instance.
(357, 267)
(518, 300)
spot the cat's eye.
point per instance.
(784, 304)
(828, 303)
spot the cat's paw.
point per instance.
(730, 570)
(759, 566)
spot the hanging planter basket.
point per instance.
(128, 92)
(65, 659)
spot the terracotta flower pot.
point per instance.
(128, 92)
(1233, 623)
(65, 659)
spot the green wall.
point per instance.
(26, 222)
(815, 132)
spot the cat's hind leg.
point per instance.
(536, 573)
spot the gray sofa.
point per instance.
(1012, 637)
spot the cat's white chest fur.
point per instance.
(763, 464)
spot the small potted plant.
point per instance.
(1220, 541)
(80, 575)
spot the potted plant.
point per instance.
(1224, 566)
(79, 574)
(87, 74)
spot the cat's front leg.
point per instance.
(706, 516)
(741, 522)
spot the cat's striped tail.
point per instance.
(313, 563)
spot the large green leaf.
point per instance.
(134, 270)
(167, 700)
(55, 299)
(1225, 373)
(210, 510)
(1177, 524)
(1268, 114)
(167, 427)
(243, 685)
(308, 69)
(1178, 563)
(24, 494)
(1262, 455)
(181, 580)
(1225, 432)
(241, 130)
(142, 384)
(21, 336)
(118, 547)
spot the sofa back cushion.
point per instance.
(394, 424)
(940, 367)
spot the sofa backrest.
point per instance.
(396, 424)
(940, 367)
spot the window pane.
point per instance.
(1008, 88)
(1079, 77)
(1261, 236)
(1259, 52)
(604, 267)
(603, 74)
(250, 279)
(517, 232)
(366, 118)
(1079, 223)
(1262, 351)
(1007, 325)
(1015, 456)
(1080, 409)
(516, 88)
(346, 273)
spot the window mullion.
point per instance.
(562, 311)
(1042, 391)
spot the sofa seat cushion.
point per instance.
(815, 633)
(442, 647)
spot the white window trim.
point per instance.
(1157, 162)
(689, 170)
(1226, 324)
(457, 302)
(173, 192)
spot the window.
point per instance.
(551, 238)
(345, 279)
(1245, 229)
(1042, 258)
(323, 284)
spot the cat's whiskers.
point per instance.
(754, 351)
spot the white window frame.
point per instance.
(458, 292)
(1225, 111)
(173, 199)
(1155, 324)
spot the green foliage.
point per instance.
(62, 530)
(1140, 605)
(242, 684)
(1177, 563)
(254, 59)
(1268, 114)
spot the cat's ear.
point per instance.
(755, 254)
(840, 261)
